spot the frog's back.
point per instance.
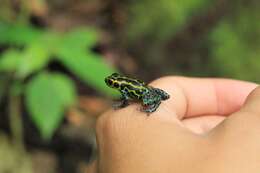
(130, 81)
(134, 88)
(129, 87)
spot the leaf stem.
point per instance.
(15, 116)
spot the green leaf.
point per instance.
(75, 53)
(34, 58)
(47, 97)
(18, 34)
(88, 66)
(25, 62)
(80, 38)
(72, 48)
(10, 60)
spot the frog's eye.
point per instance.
(108, 81)
(116, 85)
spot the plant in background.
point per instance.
(149, 35)
(25, 53)
(235, 50)
(49, 94)
(166, 17)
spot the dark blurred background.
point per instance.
(54, 55)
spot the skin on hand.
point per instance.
(181, 135)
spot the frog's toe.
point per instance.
(164, 95)
(148, 109)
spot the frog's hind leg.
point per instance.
(123, 101)
(162, 93)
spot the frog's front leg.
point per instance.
(122, 102)
(150, 108)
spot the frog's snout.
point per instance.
(106, 80)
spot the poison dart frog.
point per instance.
(134, 89)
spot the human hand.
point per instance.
(129, 141)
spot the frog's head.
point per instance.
(112, 80)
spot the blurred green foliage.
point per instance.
(72, 49)
(235, 46)
(49, 94)
(229, 47)
(152, 24)
(160, 19)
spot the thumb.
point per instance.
(238, 138)
(249, 114)
(246, 121)
(252, 104)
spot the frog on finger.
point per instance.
(134, 89)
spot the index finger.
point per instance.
(191, 97)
